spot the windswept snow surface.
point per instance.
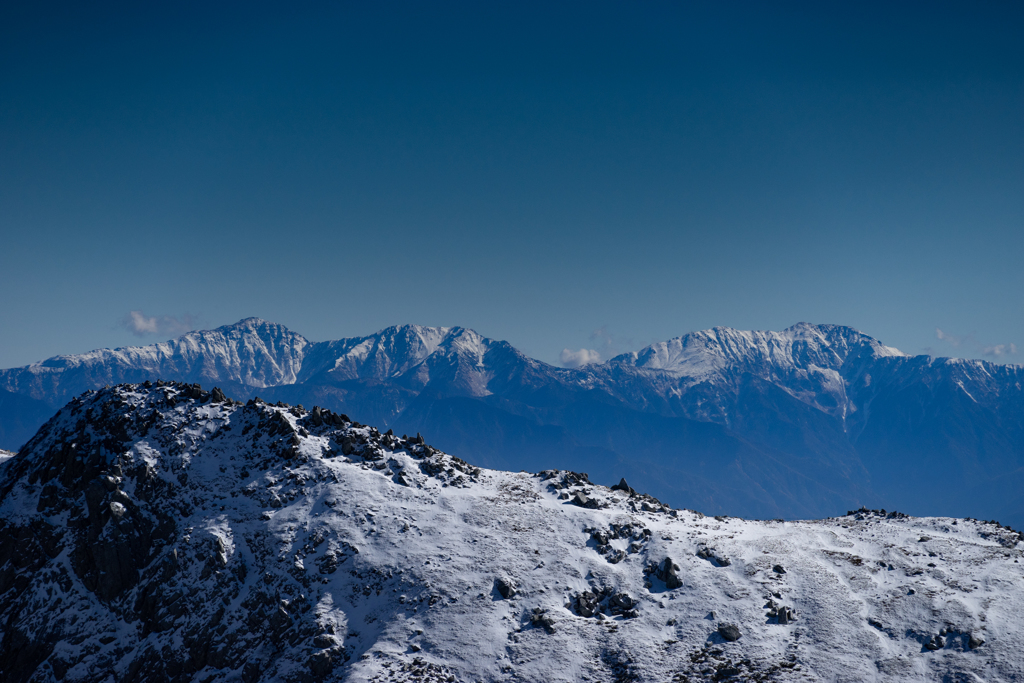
(160, 533)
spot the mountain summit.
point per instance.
(699, 354)
(158, 532)
(804, 422)
(250, 354)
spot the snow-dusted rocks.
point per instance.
(159, 533)
(506, 587)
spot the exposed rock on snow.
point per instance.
(505, 587)
(623, 486)
(164, 533)
(711, 555)
(729, 632)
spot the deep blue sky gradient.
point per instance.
(536, 171)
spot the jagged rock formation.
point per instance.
(805, 422)
(160, 532)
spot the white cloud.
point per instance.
(142, 325)
(574, 359)
(1000, 350)
(972, 347)
(948, 338)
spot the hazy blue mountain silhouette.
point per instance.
(20, 418)
(807, 422)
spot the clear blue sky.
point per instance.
(535, 171)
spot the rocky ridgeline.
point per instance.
(158, 532)
(100, 514)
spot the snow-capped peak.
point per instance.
(414, 354)
(700, 355)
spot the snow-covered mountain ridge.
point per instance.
(805, 422)
(700, 354)
(161, 532)
(251, 353)
(255, 354)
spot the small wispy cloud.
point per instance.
(950, 339)
(575, 359)
(142, 325)
(999, 350)
(971, 346)
(609, 344)
(605, 345)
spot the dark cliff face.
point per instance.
(806, 422)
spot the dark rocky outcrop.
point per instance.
(505, 587)
(623, 486)
(667, 572)
(711, 555)
(729, 632)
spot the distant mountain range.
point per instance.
(806, 422)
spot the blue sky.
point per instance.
(560, 175)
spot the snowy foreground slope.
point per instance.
(165, 533)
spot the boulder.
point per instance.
(615, 556)
(620, 603)
(506, 587)
(623, 486)
(667, 572)
(582, 500)
(729, 632)
(586, 604)
(316, 417)
(711, 555)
